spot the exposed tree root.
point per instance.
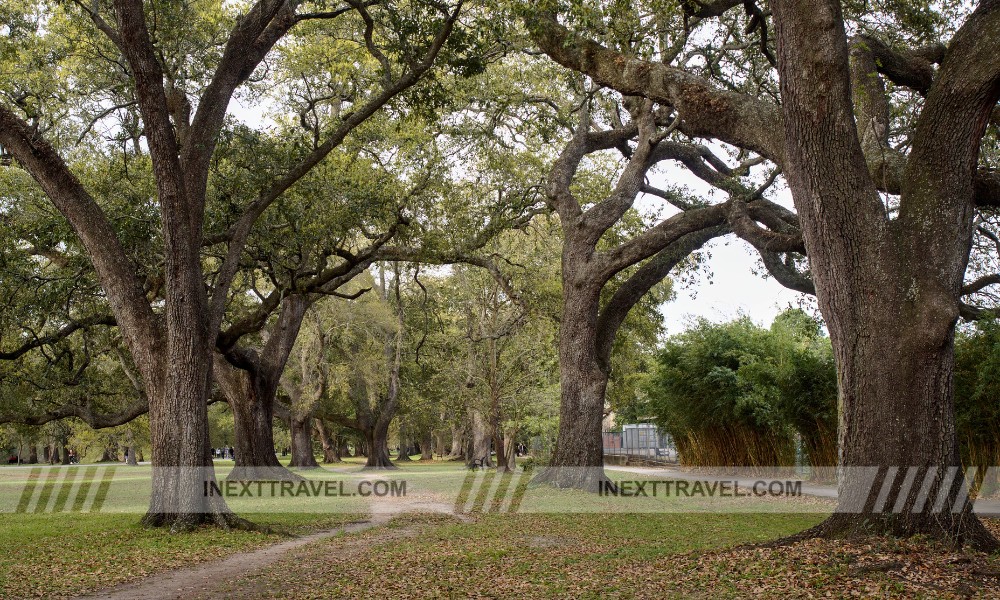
(266, 473)
(958, 531)
(588, 479)
(186, 522)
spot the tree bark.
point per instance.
(498, 444)
(405, 444)
(377, 438)
(332, 446)
(509, 454)
(440, 443)
(251, 389)
(374, 422)
(457, 447)
(302, 447)
(251, 396)
(479, 441)
(496, 408)
(130, 454)
(427, 445)
(889, 289)
(578, 460)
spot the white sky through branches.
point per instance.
(729, 283)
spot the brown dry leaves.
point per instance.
(818, 568)
(435, 557)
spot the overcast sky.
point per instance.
(733, 287)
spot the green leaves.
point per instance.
(977, 395)
(736, 392)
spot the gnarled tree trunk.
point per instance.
(427, 445)
(302, 446)
(889, 288)
(457, 447)
(578, 460)
(332, 445)
(405, 444)
(377, 442)
(251, 397)
(251, 389)
(374, 423)
(479, 441)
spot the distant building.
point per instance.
(641, 440)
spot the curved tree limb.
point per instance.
(785, 273)
(705, 110)
(613, 314)
(61, 334)
(84, 413)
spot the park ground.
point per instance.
(428, 549)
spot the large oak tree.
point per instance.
(181, 121)
(886, 192)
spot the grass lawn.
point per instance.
(49, 554)
(504, 555)
(603, 550)
(626, 556)
(57, 554)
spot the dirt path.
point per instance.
(201, 579)
(185, 583)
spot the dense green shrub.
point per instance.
(977, 397)
(736, 394)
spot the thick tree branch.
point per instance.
(909, 68)
(653, 240)
(786, 274)
(825, 165)
(606, 213)
(705, 110)
(639, 283)
(871, 107)
(979, 284)
(177, 204)
(84, 413)
(255, 34)
(986, 188)
(742, 219)
(239, 233)
(714, 8)
(326, 282)
(976, 313)
(114, 268)
(743, 121)
(61, 334)
(938, 183)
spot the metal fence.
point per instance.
(642, 440)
